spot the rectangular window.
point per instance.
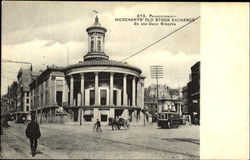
(99, 45)
(27, 108)
(27, 101)
(92, 97)
(28, 94)
(103, 97)
(87, 118)
(104, 118)
(92, 46)
(115, 98)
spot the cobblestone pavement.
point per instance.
(71, 141)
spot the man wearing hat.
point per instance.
(33, 133)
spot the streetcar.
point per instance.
(21, 117)
(168, 120)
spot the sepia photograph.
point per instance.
(100, 80)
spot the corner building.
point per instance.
(98, 87)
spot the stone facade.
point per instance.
(97, 88)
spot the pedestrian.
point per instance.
(98, 126)
(33, 133)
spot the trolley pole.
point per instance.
(156, 73)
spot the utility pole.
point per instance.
(157, 73)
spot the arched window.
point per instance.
(99, 46)
(92, 46)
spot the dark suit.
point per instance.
(33, 133)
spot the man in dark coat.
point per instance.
(33, 133)
(98, 124)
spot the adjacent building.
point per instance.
(164, 91)
(4, 104)
(95, 88)
(23, 91)
(24, 76)
(12, 96)
(48, 92)
(185, 94)
(194, 93)
(9, 100)
(166, 96)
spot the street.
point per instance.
(71, 141)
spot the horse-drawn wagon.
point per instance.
(118, 123)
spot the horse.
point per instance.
(117, 124)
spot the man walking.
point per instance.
(33, 133)
(98, 124)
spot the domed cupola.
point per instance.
(96, 42)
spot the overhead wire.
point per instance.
(150, 45)
(136, 53)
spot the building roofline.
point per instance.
(105, 63)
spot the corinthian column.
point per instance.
(96, 89)
(111, 89)
(71, 90)
(133, 92)
(125, 90)
(82, 89)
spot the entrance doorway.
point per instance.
(75, 115)
(59, 98)
(87, 118)
(118, 112)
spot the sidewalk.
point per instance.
(15, 146)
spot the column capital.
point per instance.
(96, 73)
(142, 83)
(112, 73)
(81, 75)
(71, 76)
(125, 75)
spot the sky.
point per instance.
(44, 32)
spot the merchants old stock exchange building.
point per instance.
(95, 88)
